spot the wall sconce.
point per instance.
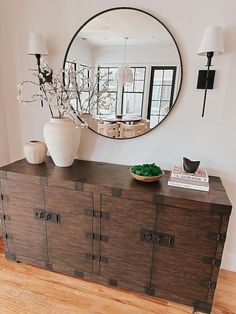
(212, 43)
(37, 47)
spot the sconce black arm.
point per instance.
(209, 58)
(47, 77)
(38, 56)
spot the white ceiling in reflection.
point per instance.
(110, 29)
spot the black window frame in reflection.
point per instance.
(108, 80)
(170, 99)
(133, 91)
(72, 65)
(86, 67)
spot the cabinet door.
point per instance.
(128, 258)
(68, 241)
(183, 272)
(26, 235)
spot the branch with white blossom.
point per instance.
(59, 88)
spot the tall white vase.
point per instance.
(62, 138)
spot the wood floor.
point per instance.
(29, 290)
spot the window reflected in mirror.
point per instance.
(137, 106)
(162, 84)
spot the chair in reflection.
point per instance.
(110, 130)
(146, 122)
(131, 130)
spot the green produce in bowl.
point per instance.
(147, 170)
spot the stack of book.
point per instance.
(197, 181)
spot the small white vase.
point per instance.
(62, 138)
(35, 152)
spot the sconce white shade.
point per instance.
(124, 75)
(37, 44)
(212, 41)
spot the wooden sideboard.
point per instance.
(92, 220)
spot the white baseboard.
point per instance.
(229, 262)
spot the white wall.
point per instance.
(156, 54)
(81, 52)
(4, 148)
(184, 133)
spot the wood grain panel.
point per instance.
(61, 184)
(141, 195)
(183, 266)
(97, 231)
(180, 287)
(68, 243)
(218, 255)
(192, 230)
(98, 175)
(68, 201)
(31, 261)
(129, 259)
(23, 194)
(28, 234)
(25, 178)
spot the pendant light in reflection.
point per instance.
(125, 74)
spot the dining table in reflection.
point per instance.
(129, 119)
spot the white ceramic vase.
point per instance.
(62, 138)
(35, 152)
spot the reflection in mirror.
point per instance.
(111, 46)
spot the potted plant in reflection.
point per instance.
(70, 96)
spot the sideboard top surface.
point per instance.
(116, 177)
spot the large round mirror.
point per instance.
(130, 72)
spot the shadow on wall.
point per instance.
(88, 143)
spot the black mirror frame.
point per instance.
(180, 58)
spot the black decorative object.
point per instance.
(190, 166)
(202, 76)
